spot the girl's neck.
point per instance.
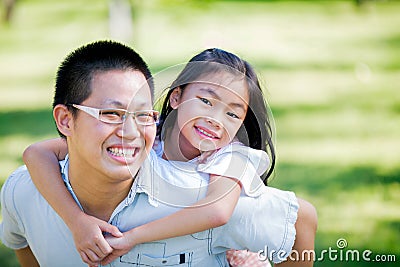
(177, 147)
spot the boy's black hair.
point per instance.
(74, 76)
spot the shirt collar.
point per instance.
(64, 167)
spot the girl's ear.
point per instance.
(63, 119)
(174, 98)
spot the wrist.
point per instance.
(132, 237)
(75, 218)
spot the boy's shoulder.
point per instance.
(18, 190)
(17, 178)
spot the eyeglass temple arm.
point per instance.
(91, 111)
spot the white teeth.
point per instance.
(205, 133)
(119, 152)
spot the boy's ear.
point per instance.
(174, 98)
(63, 119)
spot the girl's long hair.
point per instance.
(256, 130)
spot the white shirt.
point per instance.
(262, 223)
(234, 160)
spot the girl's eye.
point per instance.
(205, 101)
(233, 115)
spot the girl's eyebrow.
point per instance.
(214, 94)
(211, 92)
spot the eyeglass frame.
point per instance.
(96, 113)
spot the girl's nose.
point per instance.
(214, 122)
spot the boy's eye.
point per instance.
(111, 116)
(112, 113)
(146, 117)
(205, 100)
(233, 115)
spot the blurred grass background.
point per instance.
(331, 71)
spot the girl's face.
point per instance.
(210, 112)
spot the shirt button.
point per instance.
(164, 261)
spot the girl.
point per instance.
(214, 115)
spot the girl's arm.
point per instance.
(212, 211)
(41, 160)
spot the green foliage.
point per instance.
(331, 73)
(7, 257)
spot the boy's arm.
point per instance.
(26, 258)
(41, 160)
(212, 211)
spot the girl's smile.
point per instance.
(204, 132)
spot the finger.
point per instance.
(106, 227)
(98, 249)
(106, 261)
(93, 257)
(103, 247)
(110, 258)
(86, 260)
(93, 254)
(91, 249)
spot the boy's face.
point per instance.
(111, 151)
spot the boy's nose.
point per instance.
(129, 128)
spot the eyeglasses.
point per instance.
(118, 116)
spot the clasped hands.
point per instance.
(99, 242)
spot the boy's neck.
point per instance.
(97, 197)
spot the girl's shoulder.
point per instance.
(239, 162)
(236, 149)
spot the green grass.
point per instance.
(331, 72)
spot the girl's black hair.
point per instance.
(256, 130)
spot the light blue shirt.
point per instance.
(263, 223)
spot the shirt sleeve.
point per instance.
(265, 224)
(239, 162)
(11, 229)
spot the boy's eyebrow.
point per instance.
(118, 104)
(216, 96)
(113, 103)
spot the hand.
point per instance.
(204, 156)
(89, 240)
(120, 246)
